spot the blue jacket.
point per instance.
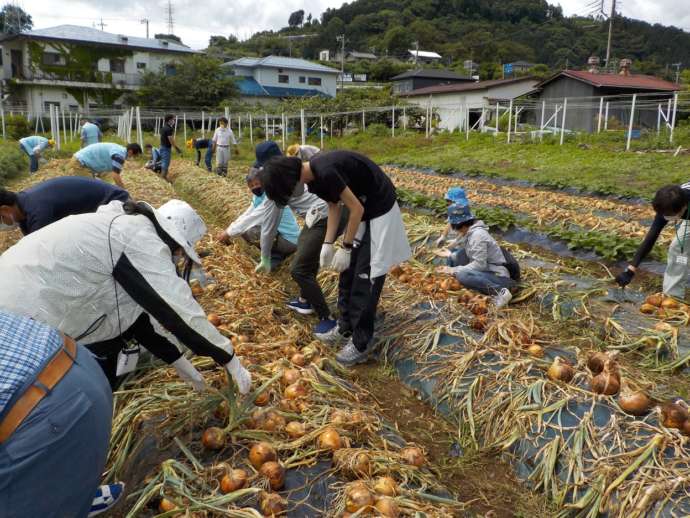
(90, 133)
(102, 157)
(29, 143)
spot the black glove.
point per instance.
(625, 277)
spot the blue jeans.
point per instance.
(208, 158)
(52, 464)
(33, 160)
(166, 155)
(486, 283)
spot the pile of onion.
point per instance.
(261, 453)
(213, 438)
(233, 480)
(560, 371)
(329, 440)
(295, 391)
(608, 381)
(274, 473)
(634, 403)
(358, 497)
(413, 456)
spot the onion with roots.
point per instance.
(272, 504)
(213, 438)
(263, 398)
(358, 497)
(166, 505)
(673, 415)
(670, 303)
(413, 456)
(607, 382)
(634, 403)
(560, 371)
(274, 473)
(329, 440)
(232, 481)
(261, 453)
(596, 361)
(290, 376)
(295, 429)
(298, 359)
(655, 300)
(387, 507)
(214, 319)
(535, 350)
(295, 391)
(386, 486)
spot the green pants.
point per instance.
(677, 270)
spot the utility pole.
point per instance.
(102, 25)
(171, 24)
(416, 52)
(146, 22)
(608, 46)
(341, 39)
(677, 65)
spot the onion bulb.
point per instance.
(274, 473)
(233, 480)
(222, 410)
(261, 453)
(213, 438)
(272, 504)
(634, 403)
(560, 371)
(289, 350)
(272, 422)
(413, 456)
(647, 309)
(673, 415)
(197, 290)
(214, 319)
(387, 507)
(290, 376)
(663, 328)
(262, 399)
(340, 417)
(361, 465)
(295, 391)
(329, 440)
(358, 497)
(654, 300)
(479, 323)
(396, 270)
(686, 427)
(670, 303)
(166, 505)
(295, 429)
(607, 382)
(535, 350)
(596, 361)
(229, 295)
(298, 359)
(386, 486)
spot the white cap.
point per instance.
(183, 224)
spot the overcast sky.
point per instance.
(196, 20)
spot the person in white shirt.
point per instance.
(305, 152)
(222, 139)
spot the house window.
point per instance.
(73, 107)
(53, 59)
(117, 66)
(302, 79)
(48, 104)
(141, 66)
(315, 81)
(170, 70)
(283, 78)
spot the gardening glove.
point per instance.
(440, 241)
(327, 253)
(341, 261)
(625, 277)
(187, 372)
(312, 216)
(264, 265)
(240, 375)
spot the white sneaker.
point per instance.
(503, 298)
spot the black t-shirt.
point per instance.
(166, 131)
(336, 170)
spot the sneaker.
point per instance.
(349, 355)
(327, 330)
(503, 298)
(106, 497)
(303, 308)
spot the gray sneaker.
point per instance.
(503, 298)
(350, 355)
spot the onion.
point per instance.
(634, 403)
(229, 295)
(386, 486)
(396, 270)
(387, 507)
(261, 453)
(214, 319)
(670, 303)
(289, 350)
(358, 497)
(243, 339)
(166, 505)
(290, 376)
(272, 504)
(295, 429)
(213, 438)
(298, 359)
(455, 284)
(222, 410)
(413, 456)
(673, 415)
(479, 308)
(663, 327)
(232, 481)
(295, 391)
(655, 300)
(272, 422)
(197, 290)
(275, 473)
(596, 361)
(647, 309)
(560, 371)
(607, 382)
(361, 465)
(340, 417)
(536, 350)
(479, 323)
(329, 440)
(686, 427)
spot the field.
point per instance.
(464, 409)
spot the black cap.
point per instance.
(265, 151)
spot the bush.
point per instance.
(12, 162)
(17, 127)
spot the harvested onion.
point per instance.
(673, 415)
(298, 359)
(275, 473)
(214, 319)
(166, 505)
(295, 429)
(413, 456)
(261, 453)
(232, 481)
(655, 300)
(329, 440)
(387, 507)
(295, 391)
(647, 309)
(560, 371)
(670, 303)
(358, 497)
(607, 382)
(386, 486)
(535, 350)
(290, 376)
(272, 504)
(634, 403)
(596, 362)
(262, 399)
(213, 438)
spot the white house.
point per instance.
(423, 56)
(452, 102)
(79, 67)
(277, 77)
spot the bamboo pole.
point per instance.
(393, 122)
(64, 125)
(2, 114)
(630, 124)
(565, 109)
(251, 130)
(266, 122)
(321, 129)
(510, 119)
(541, 125)
(673, 117)
(606, 117)
(303, 126)
(601, 107)
(498, 115)
(184, 123)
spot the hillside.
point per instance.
(486, 31)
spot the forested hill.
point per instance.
(485, 31)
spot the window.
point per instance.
(117, 66)
(53, 59)
(48, 104)
(283, 78)
(302, 79)
(141, 66)
(315, 81)
(170, 70)
(74, 107)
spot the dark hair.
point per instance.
(223, 119)
(169, 117)
(458, 226)
(669, 200)
(148, 146)
(134, 148)
(279, 177)
(7, 197)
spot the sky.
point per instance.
(196, 20)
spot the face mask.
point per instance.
(5, 226)
(258, 192)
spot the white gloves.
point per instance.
(187, 372)
(327, 253)
(341, 261)
(240, 375)
(313, 215)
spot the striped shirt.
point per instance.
(25, 347)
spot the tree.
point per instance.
(168, 37)
(296, 19)
(398, 41)
(198, 81)
(13, 20)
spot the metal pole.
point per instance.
(184, 123)
(64, 125)
(630, 124)
(2, 114)
(467, 122)
(175, 128)
(304, 129)
(541, 125)
(331, 133)
(601, 107)
(673, 117)
(203, 128)
(266, 121)
(140, 132)
(404, 118)
(658, 120)
(251, 130)
(510, 119)
(239, 126)
(283, 120)
(498, 115)
(606, 117)
(393, 122)
(321, 129)
(565, 111)
(364, 121)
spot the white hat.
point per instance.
(183, 224)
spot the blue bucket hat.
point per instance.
(457, 195)
(265, 151)
(459, 214)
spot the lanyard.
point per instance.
(685, 230)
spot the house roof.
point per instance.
(281, 62)
(522, 64)
(362, 55)
(631, 82)
(425, 54)
(76, 33)
(432, 74)
(249, 87)
(465, 87)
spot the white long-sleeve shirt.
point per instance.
(224, 137)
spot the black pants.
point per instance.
(281, 250)
(142, 332)
(358, 295)
(305, 264)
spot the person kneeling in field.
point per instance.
(248, 225)
(454, 196)
(154, 162)
(102, 160)
(476, 260)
